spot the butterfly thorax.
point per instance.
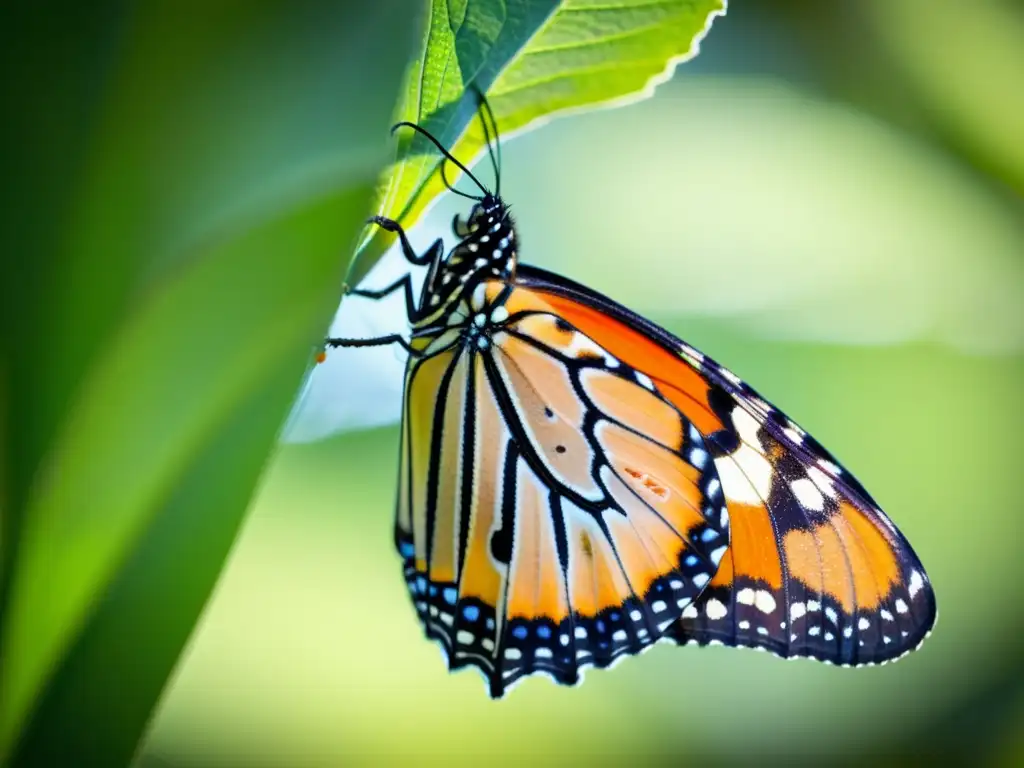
(486, 251)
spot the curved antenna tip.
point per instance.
(445, 154)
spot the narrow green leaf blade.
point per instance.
(213, 258)
(166, 580)
(157, 399)
(533, 60)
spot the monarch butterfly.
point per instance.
(576, 483)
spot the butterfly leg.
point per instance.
(404, 283)
(379, 341)
(407, 249)
(412, 313)
(432, 255)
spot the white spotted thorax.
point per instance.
(452, 296)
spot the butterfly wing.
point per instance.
(555, 510)
(814, 567)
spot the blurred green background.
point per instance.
(828, 200)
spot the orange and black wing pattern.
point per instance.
(556, 510)
(814, 568)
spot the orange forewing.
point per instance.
(679, 382)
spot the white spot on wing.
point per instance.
(690, 352)
(808, 495)
(916, 583)
(760, 405)
(747, 427)
(828, 466)
(746, 475)
(715, 609)
(793, 435)
(822, 481)
(764, 601)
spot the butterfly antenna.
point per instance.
(485, 114)
(451, 188)
(448, 155)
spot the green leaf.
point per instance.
(166, 579)
(180, 262)
(532, 59)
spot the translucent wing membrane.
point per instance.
(556, 510)
(814, 567)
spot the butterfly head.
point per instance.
(490, 206)
(487, 240)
